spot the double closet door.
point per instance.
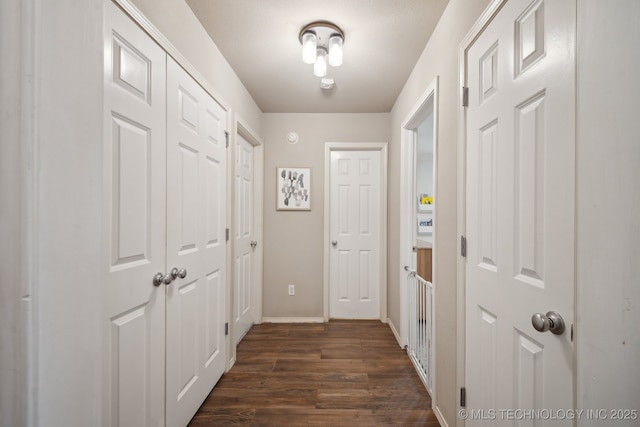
(164, 186)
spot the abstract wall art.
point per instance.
(293, 189)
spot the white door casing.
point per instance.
(520, 208)
(244, 251)
(426, 105)
(355, 223)
(196, 221)
(134, 184)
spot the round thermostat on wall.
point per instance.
(292, 137)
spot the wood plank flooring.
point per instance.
(340, 373)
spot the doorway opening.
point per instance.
(418, 238)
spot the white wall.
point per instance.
(608, 208)
(424, 157)
(294, 240)
(14, 213)
(68, 220)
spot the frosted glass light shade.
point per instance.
(320, 67)
(309, 47)
(335, 50)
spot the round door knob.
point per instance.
(158, 279)
(334, 243)
(552, 321)
(165, 279)
(254, 244)
(178, 273)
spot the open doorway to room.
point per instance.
(418, 217)
(423, 192)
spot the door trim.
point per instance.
(241, 128)
(407, 179)
(356, 146)
(427, 102)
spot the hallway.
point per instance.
(340, 373)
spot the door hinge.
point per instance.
(226, 232)
(226, 329)
(226, 138)
(465, 96)
(463, 246)
(463, 397)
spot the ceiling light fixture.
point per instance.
(327, 83)
(321, 39)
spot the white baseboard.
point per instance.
(230, 364)
(395, 331)
(293, 320)
(440, 417)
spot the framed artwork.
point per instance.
(293, 189)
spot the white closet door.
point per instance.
(196, 209)
(244, 237)
(134, 224)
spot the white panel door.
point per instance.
(354, 261)
(196, 209)
(243, 239)
(134, 223)
(520, 210)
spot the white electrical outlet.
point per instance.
(292, 289)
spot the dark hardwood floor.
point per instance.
(341, 373)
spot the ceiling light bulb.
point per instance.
(309, 47)
(320, 67)
(335, 50)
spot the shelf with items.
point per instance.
(425, 203)
(425, 225)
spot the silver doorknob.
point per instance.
(160, 279)
(157, 279)
(178, 273)
(552, 321)
(334, 243)
(254, 243)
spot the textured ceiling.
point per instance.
(259, 38)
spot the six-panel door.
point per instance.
(520, 211)
(244, 237)
(354, 287)
(134, 161)
(165, 202)
(196, 243)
